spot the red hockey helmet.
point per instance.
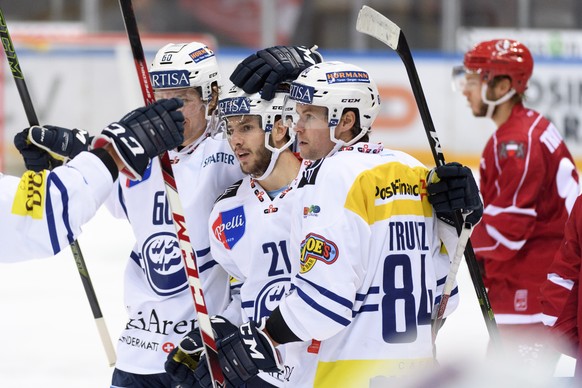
(501, 57)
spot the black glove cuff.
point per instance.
(278, 329)
(107, 160)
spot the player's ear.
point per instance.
(344, 128)
(213, 103)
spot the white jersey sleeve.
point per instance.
(42, 213)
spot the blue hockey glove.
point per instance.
(243, 354)
(267, 68)
(35, 158)
(186, 357)
(62, 143)
(452, 187)
(143, 134)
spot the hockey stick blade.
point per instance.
(188, 253)
(26, 100)
(372, 22)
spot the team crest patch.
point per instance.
(511, 149)
(30, 195)
(229, 227)
(314, 248)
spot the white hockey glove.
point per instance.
(144, 134)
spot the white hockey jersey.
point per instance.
(42, 213)
(158, 300)
(249, 237)
(371, 258)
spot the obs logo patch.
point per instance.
(314, 248)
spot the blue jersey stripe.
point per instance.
(328, 294)
(50, 220)
(316, 306)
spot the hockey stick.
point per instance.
(378, 26)
(75, 248)
(451, 277)
(188, 254)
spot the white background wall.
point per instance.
(90, 86)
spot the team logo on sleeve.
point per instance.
(511, 149)
(314, 248)
(229, 226)
(30, 195)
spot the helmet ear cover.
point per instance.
(501, 57)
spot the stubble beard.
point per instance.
(261, 164)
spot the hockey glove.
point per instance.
(244, 353)
(143, 134)
(35, 159)
(184, 359)
(452, 187)
(267, 68)
(62, 143)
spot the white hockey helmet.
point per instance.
(235, 102)
(182, 65)
(338, 86)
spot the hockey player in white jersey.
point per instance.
(249, 229)
(158, 301)
(368, 243)
(159, 304)
(42, 212)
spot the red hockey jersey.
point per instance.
(561, 292)
(529, 183)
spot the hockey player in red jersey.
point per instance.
(529, 183)
(561, 299)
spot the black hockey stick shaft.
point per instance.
(435, 146)
(18, 76)
(188, 253)
(378, 26)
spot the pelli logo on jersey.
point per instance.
(398, 187)
(347, 76)
(29, 197)
(229, 226)
(314, 248)
(312, 211)
(235, 106)
(170, 79)
(201, 54)
(511, 149)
